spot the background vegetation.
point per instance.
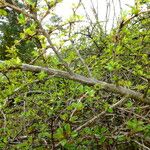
(90, 92)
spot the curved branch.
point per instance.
(125, 22)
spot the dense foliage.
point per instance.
(10, 31)
(90, 92)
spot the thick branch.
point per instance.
(84, 80)
(89, 81)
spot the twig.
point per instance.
(119, 103)
(83, 62)
(125, 22)
(43, 32)
(142, 145)
(78, 101)
(4, 116)
(143, 78)
(18, 9)
(41, 54)
(53, 47)
(146, 90)
(143, 118)
(107, 14)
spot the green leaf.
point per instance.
(110, 110)
(18, 61)
(67, 128)
(70, 107)
(135, 10)
(102, 139)
(88, 130)
(64, 116)
(121, 138)
(90, 92)
(112, 65)
(135, 125)
(104, 129)
(22, 19)
(125, 83)
(59, 133)
(30, 2)
(17, 100)
(81, 89)
(44, 135)
(73, 119)
(12, 62)
(31, 30)
(70, 57)
(111, 141)
(74, 134)
(63, 142)
(129, 104)
(106, 106)
(42, 75)
(78, 106)
(22, 35)
(3, 12)
(97, 86)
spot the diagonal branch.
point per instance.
(125, 22)
(119, 103)
(84, 80)
(53, 47)
(93, 119)
(16, 8)
(33, 16)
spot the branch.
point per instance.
(119, 103)
(142, 145)
(83, 62)
(84, 80)
(18, 10)
(33, 16)
(53, 47)
(123, 23)
(93, 119)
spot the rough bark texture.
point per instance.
(89, 81)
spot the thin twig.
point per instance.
(119, 103)
(141, 145)
(78, 101)
(93, 119)
(83, 62)
(44, 33)
(4, 116)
